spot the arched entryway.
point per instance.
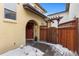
(31, 30)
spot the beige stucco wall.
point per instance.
(49, 24)
(74, 10)
(12, 33)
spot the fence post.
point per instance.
(78, 36)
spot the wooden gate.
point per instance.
(48, 34)
(43, 33)
(52, 35)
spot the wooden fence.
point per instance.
(65, 35)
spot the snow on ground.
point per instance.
(60, 50)
(25, 51)
(31, 51)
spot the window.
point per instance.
(10, 11)
(10, 14)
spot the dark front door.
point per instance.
(29, 31)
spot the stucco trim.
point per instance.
(10, 21)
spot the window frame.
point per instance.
(9, 16)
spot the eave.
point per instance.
(41, 7)
(32, 9)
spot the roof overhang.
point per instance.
(41, 7)
(67, 6)
(32, 9)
